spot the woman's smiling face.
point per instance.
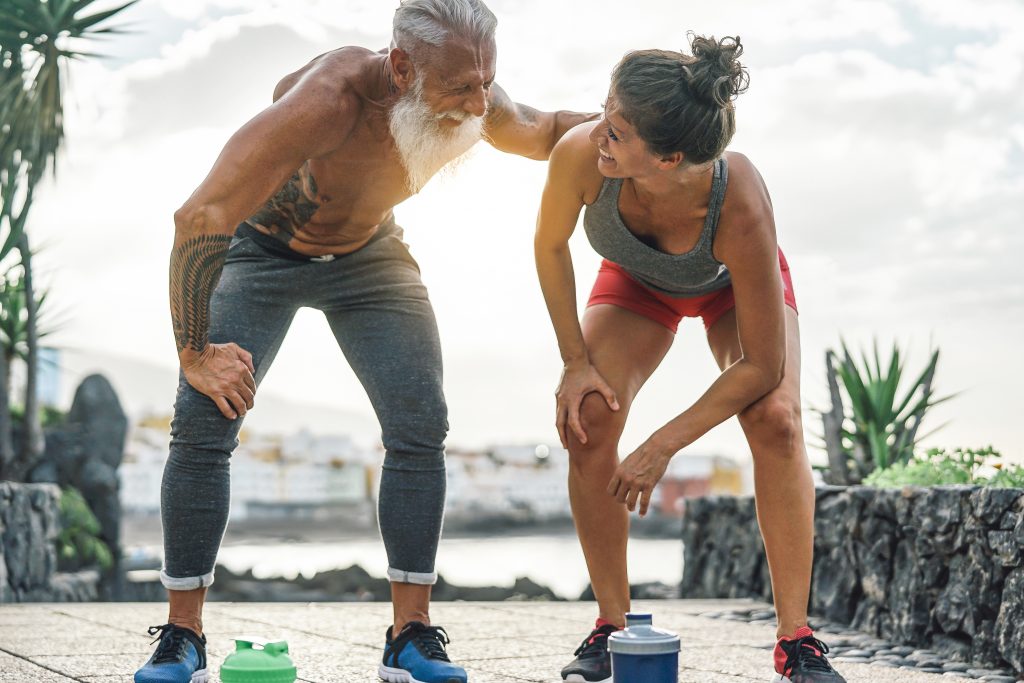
(623, 154)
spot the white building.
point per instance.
(142, 470)
(524, 482)
(294, 475)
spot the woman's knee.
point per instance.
(602, 425)
(774, 422)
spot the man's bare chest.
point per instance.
(350, 190)
(357, 179)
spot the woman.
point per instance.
(686, 230)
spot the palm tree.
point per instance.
(14, 318)
(37, 39)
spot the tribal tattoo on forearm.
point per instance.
(195, 270)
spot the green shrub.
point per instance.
(51, 417)
(939, 466)
(1011, 477)
(79, 544)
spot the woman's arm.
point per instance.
(560, 207)
(747, 245)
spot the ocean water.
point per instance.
(555, 561)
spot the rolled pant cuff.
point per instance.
(188, 583)
(400, 576)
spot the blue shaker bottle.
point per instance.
(644, 654)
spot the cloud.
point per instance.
(222, 75)
(194, 10)
(1004, 15)
(841, 20)
(910, 177)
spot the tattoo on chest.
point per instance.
(195, 269)
(290, 209)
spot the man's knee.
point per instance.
(200, 429)
(414, 438)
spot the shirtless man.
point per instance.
(297, 211)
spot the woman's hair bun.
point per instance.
(714, 73)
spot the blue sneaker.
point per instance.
(417, 655)
(179, 658)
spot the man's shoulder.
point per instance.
(334, 78)
(348, 60)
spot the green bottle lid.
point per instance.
(256, 660)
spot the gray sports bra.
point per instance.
(694, 273)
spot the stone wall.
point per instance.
(29, 525)
(84, 451)
(939, 567)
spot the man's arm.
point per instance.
(519, 129)
(310, 120)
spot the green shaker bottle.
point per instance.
(256, 660)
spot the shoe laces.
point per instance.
(596, 644)
(806, 654)
(172, 643)
(430, 640)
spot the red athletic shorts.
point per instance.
(617, 287)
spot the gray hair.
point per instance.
(420, 23)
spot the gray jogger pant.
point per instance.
(378, 310)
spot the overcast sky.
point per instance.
(891, 136)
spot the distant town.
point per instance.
(306, 476)
(309, 475)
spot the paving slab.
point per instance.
(18, 670)
(507, 642)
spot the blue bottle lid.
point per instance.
(641, 638)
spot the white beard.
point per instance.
(424, 145)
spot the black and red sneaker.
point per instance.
(593, 663)
(801, 659)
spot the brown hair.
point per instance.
(683, 103)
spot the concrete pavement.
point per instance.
(505, 642)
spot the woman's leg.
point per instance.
(625, 348)
(783, 486)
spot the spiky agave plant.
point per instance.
(875, 426)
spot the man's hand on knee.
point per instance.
(225, 373)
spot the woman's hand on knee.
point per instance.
(578, 380)
(636, 476)
(225, 373)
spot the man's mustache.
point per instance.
(458, 115)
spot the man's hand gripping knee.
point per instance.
(225, 373)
